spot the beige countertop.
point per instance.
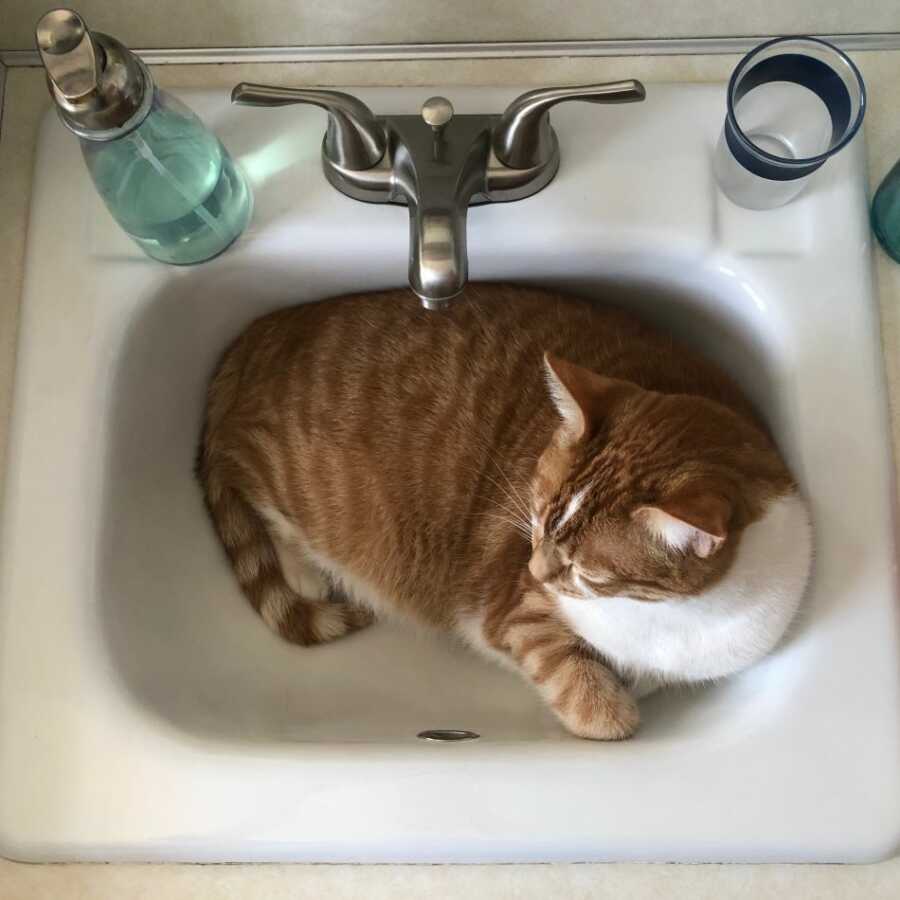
(25, 102)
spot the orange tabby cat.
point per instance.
(609, 517)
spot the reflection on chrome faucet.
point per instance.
(438, 164)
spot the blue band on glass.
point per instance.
(808, 72)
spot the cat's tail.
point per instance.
(253, 553)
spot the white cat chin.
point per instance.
(718, 632)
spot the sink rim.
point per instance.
(52, 801)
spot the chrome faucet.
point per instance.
(438, 165)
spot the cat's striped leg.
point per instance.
(586, 696)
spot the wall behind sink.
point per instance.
(232, 23)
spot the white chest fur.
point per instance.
(733, 624)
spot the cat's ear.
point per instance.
(692, 521)
(582, 397)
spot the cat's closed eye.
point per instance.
(595, 578)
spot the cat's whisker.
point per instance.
(519, 512)
(501, 518)
(504, 505)
(521, 521)
(523, 503)
(514, 524)
(520, 515)
(517, 501)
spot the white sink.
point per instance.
(147, 714)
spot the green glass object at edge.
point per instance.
(166, 179)
(886, 213)
(171, 185)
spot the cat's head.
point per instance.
(643, 494)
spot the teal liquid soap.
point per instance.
(886, 213)
(171, 185)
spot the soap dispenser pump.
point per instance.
(165, 178)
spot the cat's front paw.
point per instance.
(594, 704)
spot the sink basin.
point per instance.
(147, 714)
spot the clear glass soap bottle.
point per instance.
(165, 178)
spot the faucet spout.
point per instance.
(438, 263)
(437, 174)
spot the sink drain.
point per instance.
(447, 734)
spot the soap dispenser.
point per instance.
(166, 179)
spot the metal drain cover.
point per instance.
(447, 734)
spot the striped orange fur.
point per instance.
(363, 454)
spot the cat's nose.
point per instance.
(544, 563)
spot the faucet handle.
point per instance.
(355, 139)
(523, 139)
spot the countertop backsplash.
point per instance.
(264, 23)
